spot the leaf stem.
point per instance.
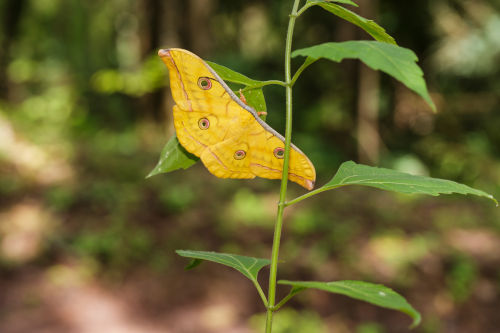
(261, 293)
(265, 83)
(304, 8)
(285, 299)
(284, 179)
(282, 302)
(310, 194)
(299, 71)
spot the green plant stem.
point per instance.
(284, 179)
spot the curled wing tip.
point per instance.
(163, 53)
(309, 184)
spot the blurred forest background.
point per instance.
(86, 242)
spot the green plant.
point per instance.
(382, 54)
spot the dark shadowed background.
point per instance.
(87, 243)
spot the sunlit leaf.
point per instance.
(173, 157)
(351, 173)
(396, 61)
(375, 294)
(372, 28)
(247, 266)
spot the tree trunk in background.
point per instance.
(10, 20)
(368, 101)
(153, 16)
(171, 36)
(198, 25)
(168, 24)
(161, 29)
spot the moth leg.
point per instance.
(244, 100)
(242, 97)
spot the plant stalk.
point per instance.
(284, 179)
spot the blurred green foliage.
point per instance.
(290, 321)
(370, 328)
(85, 111)
(461, 278)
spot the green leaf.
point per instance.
(396, 61)
(348, 2)
(372, 293)
(372, 28)
(194, 263)
(247, 266)
(255, 98)
(232, 76)
(351, 173)
(173, 157)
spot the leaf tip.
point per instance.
(430, 102)
(153, 172)
(417, 318)
(491, 197)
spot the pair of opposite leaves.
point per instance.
(212, 123)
